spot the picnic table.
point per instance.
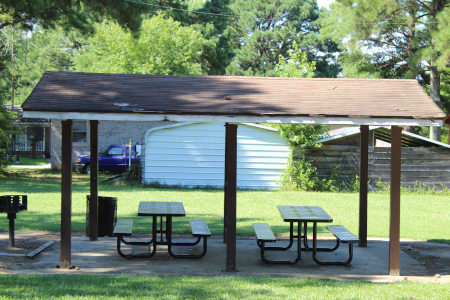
(301, 216)
(161, 214)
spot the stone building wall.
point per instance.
(109, 132)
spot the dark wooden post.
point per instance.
(363, 179)
(225, 196)
(230, 193)
(93, 199)
(66, 194)
(394, 232)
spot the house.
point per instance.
(33, 135)
(424, 161)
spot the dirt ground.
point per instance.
(26, 243)
(435, 257)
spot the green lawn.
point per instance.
(28, 161)
(423, 217)
(173, 287)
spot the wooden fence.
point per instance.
(425, 166)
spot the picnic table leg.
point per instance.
(170, 243)
(299, 249)
(321, 249)
(155, 232)
(161, 230)
(331, 263)
(291, 241)
(11, 218)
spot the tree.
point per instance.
(70, 13)
(392, 39)
(161, 47)
(212, 21)
(297, 65)
(5, 136)
(32, 55)
(267, 29)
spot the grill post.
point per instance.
(11, 218)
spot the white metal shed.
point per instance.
(193, 154)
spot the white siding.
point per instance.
(193, 154)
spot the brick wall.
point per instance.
(110, 132)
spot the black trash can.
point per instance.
(107, 215)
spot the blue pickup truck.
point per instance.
(116, 158)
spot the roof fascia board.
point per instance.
(231, 119)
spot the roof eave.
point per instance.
(310, 120)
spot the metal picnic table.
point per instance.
(163, 212)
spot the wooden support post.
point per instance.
(93, 199)
(230, 193)
(394, 232)
(66, 195)
(363, 181)
(225, 197)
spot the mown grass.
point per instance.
(423, 217)
(174, 287)
(28, 161)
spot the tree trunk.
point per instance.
(435, 94)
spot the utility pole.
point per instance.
(12, 69)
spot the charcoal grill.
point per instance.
(11, 205)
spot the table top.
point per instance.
(304, 214)
(150, 208)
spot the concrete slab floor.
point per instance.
(101, 257)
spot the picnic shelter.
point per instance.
(70, 96)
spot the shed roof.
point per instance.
(252, 99)
(383, 133)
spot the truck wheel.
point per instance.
(87, 168)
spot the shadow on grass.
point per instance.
(442, 241)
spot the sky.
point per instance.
(324, 2)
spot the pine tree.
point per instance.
(267, 29)
(73, 13)
(393, 39)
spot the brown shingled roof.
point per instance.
(228, 95)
